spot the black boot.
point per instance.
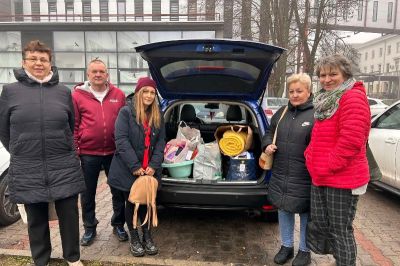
(148, 243)
(283, 255)
(303, 258)
(137, 249)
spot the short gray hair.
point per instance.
(303, 78)
(335, 61)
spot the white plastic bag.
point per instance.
(207, 163)
(187, 132)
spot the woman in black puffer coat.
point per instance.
(36, 127)
(290, 184)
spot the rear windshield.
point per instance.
(228, 75)
(216, 112)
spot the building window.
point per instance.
(315, 9)
(103, 10)
(35, 10)
(387, 68)
(52, 5)
(139, 10)
(379, 68)
(86, 11)
(372, 54)
(174, 10)
(19, 10)
(360, 9)
(396, 64)
(156, 10)
(398, 47)
(365, 70)
(390, 12)
(372, 68)
(69, 11)
(192, 10)
(389, 49)
(366, 56)
(121, 10)
(375, 11)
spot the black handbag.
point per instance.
(374, 171)
(317, 240)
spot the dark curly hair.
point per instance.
(37, 46)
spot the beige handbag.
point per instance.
(265, 161)
(144, 191)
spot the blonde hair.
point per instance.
(153, 117)
(300, 77)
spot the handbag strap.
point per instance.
(277, 125)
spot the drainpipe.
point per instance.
(395, 15)
(365, 15)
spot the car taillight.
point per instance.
(268, 112)
(268, 207)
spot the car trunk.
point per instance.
(210, 116)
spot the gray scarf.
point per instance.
(326, 102)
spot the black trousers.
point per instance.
(91, 166)
(129, 209)
(39, 231)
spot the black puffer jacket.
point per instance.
(289, 187)
(36, 125)
(129, 153)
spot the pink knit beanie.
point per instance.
(143, 82)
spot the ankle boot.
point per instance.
(303, 258)
(136, 247)
(284, 254)
(148, 243)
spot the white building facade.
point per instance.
(78, 31)
(381, 16)
(380, 66)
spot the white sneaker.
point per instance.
(76, 263)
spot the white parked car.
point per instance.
(376, 106)
(8, 211)
(271, 104)
(384, 141)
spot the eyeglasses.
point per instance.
(34, 60)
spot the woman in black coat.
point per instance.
(36, 126)
(290, 184)
(140, 141)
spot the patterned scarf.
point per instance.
(327, 102)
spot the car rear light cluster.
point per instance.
(268, 112)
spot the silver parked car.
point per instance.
(8, 211)
(384, 141)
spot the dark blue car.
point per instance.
(223, 82)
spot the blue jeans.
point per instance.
(286, 228)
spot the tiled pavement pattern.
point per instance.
(223, 238)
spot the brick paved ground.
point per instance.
(223, 238)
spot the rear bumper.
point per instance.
(213, 197)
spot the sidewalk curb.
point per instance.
(121, 259)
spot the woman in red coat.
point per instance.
(336, 156)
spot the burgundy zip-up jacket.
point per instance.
(94, 120)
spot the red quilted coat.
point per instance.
(336, 156)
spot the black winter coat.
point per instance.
(36, 127)
(129, 153)
(290, 184)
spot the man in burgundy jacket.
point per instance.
(96, 104)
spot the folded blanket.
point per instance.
(232, 143)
